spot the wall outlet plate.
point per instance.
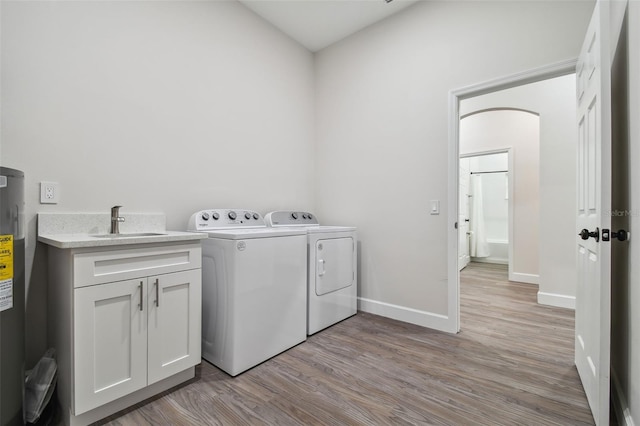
(49, 193)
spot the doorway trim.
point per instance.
(455, 96)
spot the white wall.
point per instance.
(520, 131)
(554, 101)
(382, 126)
(160, 106)
(178, 106)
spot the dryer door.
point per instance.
(335, 264)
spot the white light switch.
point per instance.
(435, 207)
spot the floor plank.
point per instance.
(511, 364)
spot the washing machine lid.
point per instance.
(245, 234)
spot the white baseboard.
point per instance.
(493, 260)
(402, 313)
(619, 402)
(557, 300)
(524, 278)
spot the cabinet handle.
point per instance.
(140, 304)
(157, 293)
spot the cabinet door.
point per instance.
(110, 342)
(174, 335)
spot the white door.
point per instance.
(174, 308)
(110, 335)
(463, 213)
(594, 201)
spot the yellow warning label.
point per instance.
(6, 257)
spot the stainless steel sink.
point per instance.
(129, 235)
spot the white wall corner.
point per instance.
(521, 277)
(413, 316)
(619, 402)
(557, 300)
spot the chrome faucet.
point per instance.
(116, 219)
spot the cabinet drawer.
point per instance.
(90, 268)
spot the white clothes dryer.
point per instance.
(332, 276)
(253, 288)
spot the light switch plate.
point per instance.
(435, 207)
(49, 193)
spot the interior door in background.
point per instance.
(463, 213)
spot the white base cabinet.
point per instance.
(115, 338)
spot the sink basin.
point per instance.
(129, 235)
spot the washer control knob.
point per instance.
(215, 215)
(232, 215)
(247, 215)
(205, 216)
(294, 215)
(256, 216)
(309, 216)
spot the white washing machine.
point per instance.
(332, 277)
(253, 288)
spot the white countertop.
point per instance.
(84, 230)
(66, 241)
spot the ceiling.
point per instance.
(317, 24)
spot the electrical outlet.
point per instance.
(49, 193)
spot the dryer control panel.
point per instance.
(225, 219)
(290, 218)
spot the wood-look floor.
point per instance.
(512, 364)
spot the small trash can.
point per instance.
(39, 386)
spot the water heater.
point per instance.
(12, 294)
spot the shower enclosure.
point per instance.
(484, 208)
